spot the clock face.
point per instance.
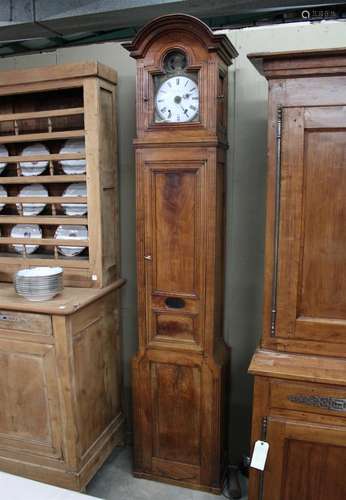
(177, 100)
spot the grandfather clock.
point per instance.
(180, 370)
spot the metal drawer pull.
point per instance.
(326, 403)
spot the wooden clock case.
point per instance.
(300, 368)
(182, 365)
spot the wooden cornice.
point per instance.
(294, 64)
(215, 43)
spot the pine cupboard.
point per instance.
(60, 360)
(300, 367)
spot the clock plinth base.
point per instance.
(180, 419)
(217, 490)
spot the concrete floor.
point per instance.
(114, 481)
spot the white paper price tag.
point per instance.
(259, 455)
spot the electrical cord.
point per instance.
(231, 486)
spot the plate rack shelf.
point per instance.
(48, 107)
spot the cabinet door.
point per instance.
(174, 252)
(29, 406)
(305, 461)
(176, 418)
(310, 282)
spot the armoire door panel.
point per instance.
(304, 461)
(322, 291)
(176, 400)
(311, 288)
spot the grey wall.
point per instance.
(245, 191)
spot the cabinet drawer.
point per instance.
(315, 398)
(20, 322)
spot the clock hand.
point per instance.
(185, 110)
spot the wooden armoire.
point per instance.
(181, 368)
(300, 367)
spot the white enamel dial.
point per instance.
(177, 100)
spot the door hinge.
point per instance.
(264, 428)
(277, 219)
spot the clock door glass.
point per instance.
(177, 100)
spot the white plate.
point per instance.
(26, 231)
(3, 192)
(32, 190)
(73, 167)
(34, 272)
(3, 152)
(76, 209)
(67, 232)
(39, 283)
(34, 167)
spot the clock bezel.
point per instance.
(158, 82)
(158, 73)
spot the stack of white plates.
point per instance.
(3, 152)
(39, 283)
(76, 209)
(32, 190)
(66, 232)
(26, 231)
(34, 167)
(73, 167)
(3, 192)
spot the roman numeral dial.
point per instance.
(177, 100)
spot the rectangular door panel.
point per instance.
(29, 410)
(322, 289)
(174, 218)
(311, 261)
(174, 231)
(172, 326)
(96, 377)
(176, 399)
(305, 461)
(314, 470)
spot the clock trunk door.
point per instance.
(173, 260)
(311, 263)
